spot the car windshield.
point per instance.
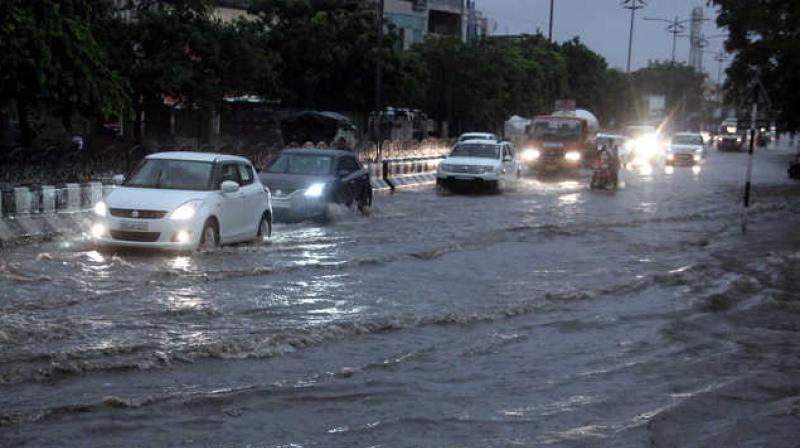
(172, 175)
(556, 129)
(301, 164)
(687, 140)
(477, 150)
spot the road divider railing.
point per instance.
(397, 173)
(42, 211)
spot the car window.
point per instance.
(246, 174)
(172, 174)
(301, 164)
(229, 171)
(347, 164)
(476, 150)
(506, 151)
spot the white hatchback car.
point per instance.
(185, 201)
(479, 163)
(685, 147)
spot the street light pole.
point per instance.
(550, 33)
(378, 77)
(675, 28)
(633, 5)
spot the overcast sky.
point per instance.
(603, 26)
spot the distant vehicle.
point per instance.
(559, 142)
(185, 201)
(643, 145)
(730, 137)
(480, 163)
(304, 182)
(476, 136)
(685, 148)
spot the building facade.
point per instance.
(416, 19)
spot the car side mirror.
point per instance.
(119, 179)
(230, 186)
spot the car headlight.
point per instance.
(531, 154)
(670, 156)
(738, 139)
(446, 167)
(573, 156)
(697, 157)
(185, 211)
(101, 209)
(315, 190)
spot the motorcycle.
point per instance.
(603, 177)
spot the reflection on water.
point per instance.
(568, 199)
(181, 262)
(696, 169)
(669, 169)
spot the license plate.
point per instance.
(134, 225)
(464, 178)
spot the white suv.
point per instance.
(486, 163)
(185, 200)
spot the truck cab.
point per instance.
(557, 143)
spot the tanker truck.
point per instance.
(562, 141)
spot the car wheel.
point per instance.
(441, 190)
(495, 187)
(365, 200)
(209, 239)
(264, 227)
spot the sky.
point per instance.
(603, 26)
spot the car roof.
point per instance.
(481, 141)
(196, 156)
(318, 152)
(468, 134)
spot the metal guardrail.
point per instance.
(47, 199)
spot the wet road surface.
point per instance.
(548, 316)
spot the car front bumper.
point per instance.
(298, 207)
(447, 178)
(146, 233)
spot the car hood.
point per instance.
(685, 148)
(291, 182)
(151, 198)
(472, 161)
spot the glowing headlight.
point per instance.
(731, 129)
(531, 154)
(183, 237)
(697, 157)
(101, 209)
(185, 211)
(314, 191)
(738, 139)
(670, 156)
(98, 230)
(573, 156)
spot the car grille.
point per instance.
(140, 237)
(684, 156)
(139, 214)
(553, 154)
(466, 169)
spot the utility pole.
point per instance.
(550, 33)
(633, 5)
(675, 28)
(747, 183)
(378, 77)
(720, 58)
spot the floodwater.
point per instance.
(547, 316)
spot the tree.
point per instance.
(764, 36)
(328, 51)
(51, 60)
(679, 83)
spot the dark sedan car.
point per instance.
(303, 182)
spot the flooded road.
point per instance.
(548, 316)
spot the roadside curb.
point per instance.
(16, 231)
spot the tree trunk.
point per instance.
(27, 134)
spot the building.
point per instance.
(416, 19)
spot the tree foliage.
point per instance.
(50, 59)
(764, 35)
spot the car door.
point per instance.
(232, 205)
(508, 170)
(254, 199)
(350, 176)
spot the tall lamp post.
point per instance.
(550, 33)
(633, 5)
(675, 28)
(378, 77)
